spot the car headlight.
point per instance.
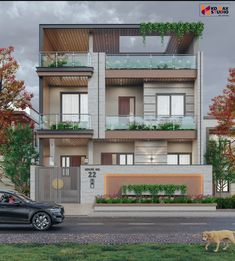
(55, 210)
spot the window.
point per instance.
(71, 161)
(184, 159)
(65, 164)
(126, 159)
(222, 186)
(117, 159)
(170, 105)
(74, 104)
(179, 159)
(6, 198)
(172, 159)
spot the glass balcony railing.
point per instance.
(150, 123)
(65, 122)
(150, 62)
(64, 59)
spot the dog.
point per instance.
(217, 236)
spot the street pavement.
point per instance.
(108, 230)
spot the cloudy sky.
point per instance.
(19, 28)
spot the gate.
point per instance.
(61, 185)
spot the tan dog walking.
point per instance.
(217, 237)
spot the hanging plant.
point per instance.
(179, 29)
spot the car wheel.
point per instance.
(41, 221)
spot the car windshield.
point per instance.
(24, 198)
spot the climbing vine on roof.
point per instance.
(180, 29)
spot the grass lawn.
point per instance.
(143, 252)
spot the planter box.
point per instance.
(153, 207)
(132, 193)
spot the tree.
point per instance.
(223, 171)
(18, 154)
(12, 91)
(223, 109)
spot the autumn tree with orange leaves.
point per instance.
(223, 109)
(13, 95)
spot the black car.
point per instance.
(16, 208)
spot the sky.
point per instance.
(19, 27)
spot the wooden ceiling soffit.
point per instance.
(64, 39)
(67, 81)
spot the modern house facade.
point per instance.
(118, 111)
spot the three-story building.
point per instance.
(130, 111)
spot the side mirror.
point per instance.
(17, 203)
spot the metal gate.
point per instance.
(61, 185)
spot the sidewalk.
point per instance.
(216, 213)
(87, 210)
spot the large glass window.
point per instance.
(177, 105)
(172, 159)
(179, 159)
(170, 105)
(73, 105)
(163, 105)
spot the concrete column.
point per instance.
(93, 95)
(40, 143)
(52, 152)
(90, 43)
(90, 152)
(32, 182)
(198, 109)
(96, 95)
(102, 117)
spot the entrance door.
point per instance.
(72, 161)
(126, 106)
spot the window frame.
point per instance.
(223, 191)
(178, 157)
(170, 103)
(61, 103)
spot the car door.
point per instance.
(17, 212)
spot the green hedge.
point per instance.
(66, 126)
(154, 189)
(222, 203)
(157, 200)
(162, 126)
(225, 203)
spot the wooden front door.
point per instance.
(126, 106)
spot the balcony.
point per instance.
(69, 124)
(162, 127)
(160, 62)
(64, 59)
(157, 67)
(65, 64)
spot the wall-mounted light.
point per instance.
(92, 183)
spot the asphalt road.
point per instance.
(77, 225)
(119, 230)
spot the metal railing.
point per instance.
(65, 122)
(150, 123)
(151, 62)
(64, 59)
